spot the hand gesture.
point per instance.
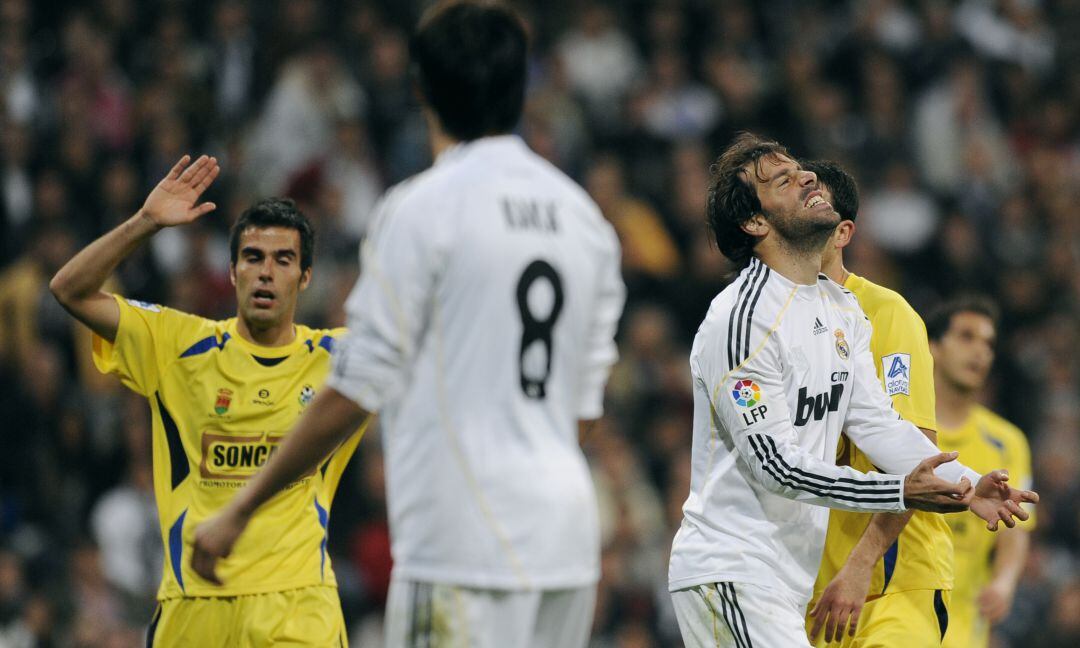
(172, 201)
(214, 539)
(925, 491)
(995, 501)
(842, 602)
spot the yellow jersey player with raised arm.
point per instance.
(884, 580)
(222, 395)
(988, 566)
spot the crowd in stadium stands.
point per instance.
(959, 120)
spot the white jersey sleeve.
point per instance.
(892, 443)
(762, 432)
(392, 294)
(601, 352)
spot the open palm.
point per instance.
(173, 200)
(995, 501)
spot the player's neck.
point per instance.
(953, 406)
(798, 266)
(438, 139)
(833, 268)
(272, 336)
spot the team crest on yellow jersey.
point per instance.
(306, 394)
(841, 345)
(224, 399)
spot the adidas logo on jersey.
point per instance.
(819, 328)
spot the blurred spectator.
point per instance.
(601, 61)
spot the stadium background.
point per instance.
(959, 119)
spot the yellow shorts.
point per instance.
(309, 616)
(912, 619)
(968, 628)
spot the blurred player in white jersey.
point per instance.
(780, 366)
(481, 330)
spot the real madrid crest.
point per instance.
(841, 345)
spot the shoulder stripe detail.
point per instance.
(750, 315)
(204, 345)
(327, 343)
(768, 462)
(758, 348)
(731, 318)
(729, 588)
(733, 340)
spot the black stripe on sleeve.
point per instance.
(743, 304)
(830, 480)
(750, 315)
(731, 319)
(770, 466)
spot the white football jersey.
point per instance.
(481, 330)
(779, 370)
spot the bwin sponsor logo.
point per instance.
(815, 407)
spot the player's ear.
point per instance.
(756, 226)
(232, 274)
(305, 278)
(844, 233)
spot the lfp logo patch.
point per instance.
(896, 368)
(746, 393)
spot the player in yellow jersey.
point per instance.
(988, 566)
(884, 579)
(222, 394)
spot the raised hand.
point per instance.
(995, 501)
(925, 491)
(173, 200)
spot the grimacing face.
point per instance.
(790, 199)
(267, 276)
(964, 354)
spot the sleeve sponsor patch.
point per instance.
(896, 370)
(153, 308)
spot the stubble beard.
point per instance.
(803, 235)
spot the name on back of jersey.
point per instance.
(896, 368)
(530, 214)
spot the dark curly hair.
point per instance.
(732, 199)
(845, 193)
(275, 212)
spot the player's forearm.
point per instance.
(328, 421)
(1010, 556)
(84, 275)
(880, 534)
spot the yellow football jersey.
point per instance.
(986, 442)
(921, 558)
(220, 405)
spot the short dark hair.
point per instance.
(732, 200)
(940, 318)
(845, 194)
(469, 62)
(275, 212)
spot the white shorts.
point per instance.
(738, 615)
(437, 615)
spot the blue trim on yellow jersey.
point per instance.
(327, 343)
(204, 345)
(176, 548)
(178, 461)
(994, 441)
(324, 520)
(889, 562)
(942, 612)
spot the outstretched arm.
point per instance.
(77, 285)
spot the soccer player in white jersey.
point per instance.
(780, 366)
(482, 331)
